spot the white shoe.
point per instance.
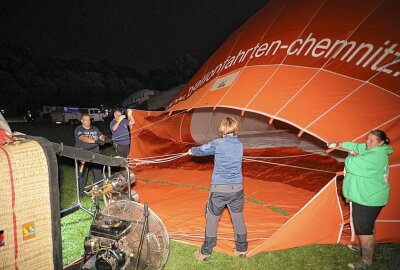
(241, 254)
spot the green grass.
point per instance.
(310, 257)
(334, 257)
(278, 210)
(75, 227)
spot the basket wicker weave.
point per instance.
(26, 209)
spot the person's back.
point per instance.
(228, 161)
(226, 188)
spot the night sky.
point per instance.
(140, 34)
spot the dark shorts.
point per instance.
(122, 150)
(364, 218)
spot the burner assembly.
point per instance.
(125, 234)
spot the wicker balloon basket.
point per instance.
(29, 206)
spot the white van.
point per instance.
(94, 113)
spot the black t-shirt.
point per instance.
(92, 133)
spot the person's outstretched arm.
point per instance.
(203, 150)
(350, 147)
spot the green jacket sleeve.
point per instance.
(355, 147)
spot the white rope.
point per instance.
(153, 161)
(172, 157)
(352, 224)
(156, 159)
(167, 156)
(122, 136)
(286, 165)
(188, 236)
(294, 156)
(220, 231)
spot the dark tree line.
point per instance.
(29, 81)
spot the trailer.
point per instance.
(66, 115)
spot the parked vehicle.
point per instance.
(94, 113)
(66, 115)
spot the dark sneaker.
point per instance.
(200, 256)
(241, 254)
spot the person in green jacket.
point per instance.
(366, 187)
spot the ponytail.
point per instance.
(381, 135)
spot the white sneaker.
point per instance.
(241, 254)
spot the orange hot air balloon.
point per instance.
(322, 70)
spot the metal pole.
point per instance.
(129, 182)
(78, 190)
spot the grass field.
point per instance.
(75, 227)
